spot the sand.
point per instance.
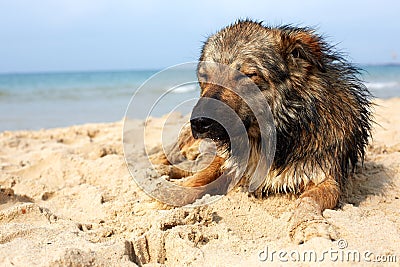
(67, 199)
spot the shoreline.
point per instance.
(67, 198)
(375, 100)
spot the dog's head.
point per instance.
(247, 55)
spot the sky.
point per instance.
(84, 35)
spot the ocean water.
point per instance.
(47, 100)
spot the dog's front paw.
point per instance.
(304, 230)
(307, 222)
(163, 170)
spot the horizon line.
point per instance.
(147, 69)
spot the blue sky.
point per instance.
(68, 35)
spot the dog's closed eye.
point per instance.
(251, 74)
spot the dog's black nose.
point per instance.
(201, 125)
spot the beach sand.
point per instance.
(67, 199)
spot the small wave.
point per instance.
(382, 85)
(185, 89)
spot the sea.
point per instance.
(32, 101)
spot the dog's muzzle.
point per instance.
(203, 127)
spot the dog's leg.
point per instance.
(207, 175)
(181, 160)
(195, 177)
(307, 221)
(159, 158)
(162, 164)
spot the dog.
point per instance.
(320, 109)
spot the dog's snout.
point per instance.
(201, 125)
(207, 118)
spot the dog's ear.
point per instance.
(305, 46)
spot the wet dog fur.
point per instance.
(320, 108)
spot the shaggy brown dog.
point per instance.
(320, 109)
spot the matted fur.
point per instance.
(320, 108)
